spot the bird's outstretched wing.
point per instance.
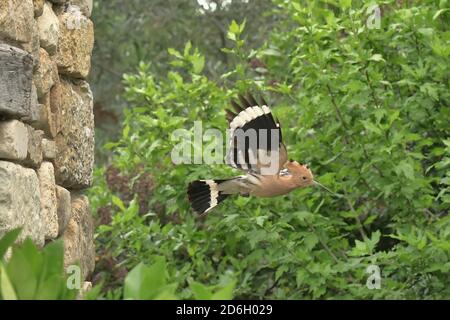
(255, 143)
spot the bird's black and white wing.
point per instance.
(255, 143)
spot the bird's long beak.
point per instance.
(322, 186)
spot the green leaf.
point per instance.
(7, 240)
(174, 53)
(439, 12)
(187, 49)
(311, 240)
(296, 6)
(200, 291)
(405, 168)
(234, 30)
(231, 36)
(242, 26)
(6, 288)
(198, 63)
(234, 27)
(54, 253)
(167, 292)
(377, 57)
(25, 269)
(225, 293)
(143, 283)
(134, 282)
(271, 52)
(369, 126)
(260, 220)
(428, 32)
(94, 293)
(118, 202)
(302, 215)
(50, 288)
(280, 271)
(126, 131)
(345, 4)
(360, 249)
(373, 241)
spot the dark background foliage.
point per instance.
(128, 32)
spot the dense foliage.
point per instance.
(32, 274)
(366, 108)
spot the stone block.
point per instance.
(48, 204)
(79, 236)
(64, 211)
(49, 34)
(20, 202)
(76, 41)
(75, 142)
(16, 70)
(14, 140)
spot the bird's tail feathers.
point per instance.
(205, 195)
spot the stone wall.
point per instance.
(47, 124)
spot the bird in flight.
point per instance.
(256, 147)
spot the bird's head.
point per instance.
(301, 174)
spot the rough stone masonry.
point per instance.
(47, 124)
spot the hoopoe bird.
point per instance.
(258, 181)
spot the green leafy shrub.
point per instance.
(31, 274)
(367, 109)
(150, 282)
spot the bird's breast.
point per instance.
(271, 186)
